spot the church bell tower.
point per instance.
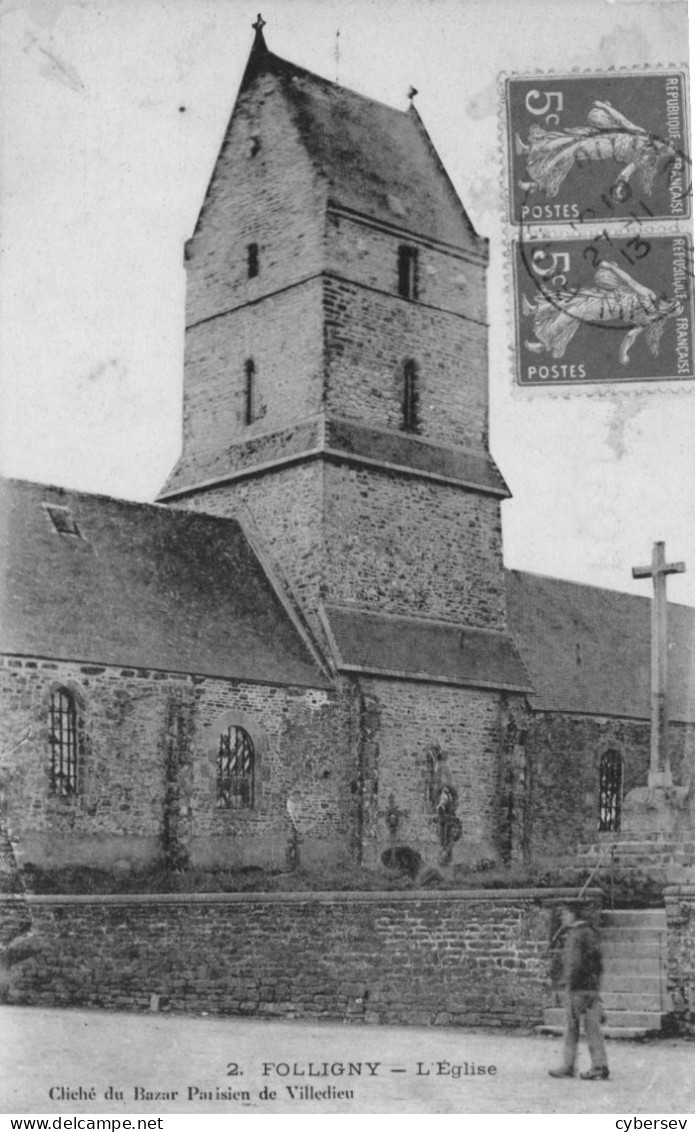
(336, 402)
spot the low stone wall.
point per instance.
(456, 958)
(680, 948)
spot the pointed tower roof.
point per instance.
(378, 161)
(257, 55)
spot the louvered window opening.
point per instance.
(235, 779)
(64, 743)
(610, 799)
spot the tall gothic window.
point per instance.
(64, 737)
(407, 271)
(249, 376)
(610, 791)
(235, 772)
(410, 396)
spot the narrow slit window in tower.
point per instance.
(410, 397)
(407, 267)
(252, 260)
(249, 376)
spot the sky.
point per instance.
(111, 117)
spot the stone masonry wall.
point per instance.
(378, 540)
(149, 735)
(405, 545)
(282, 335)
(402, 723)
(335, 346)
(369, 336)
(363, 253)
(562, 755)
(285, 509)
(15, 920)
(442, 958)
(264, 191)
(337, 342)
(680, 964)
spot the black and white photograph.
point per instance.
(346, 560)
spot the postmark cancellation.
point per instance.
(612, 308)
(596, 147)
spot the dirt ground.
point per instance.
(89, 1061)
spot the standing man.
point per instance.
(582, 972)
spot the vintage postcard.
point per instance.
(347, 574)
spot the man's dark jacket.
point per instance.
(583, 961)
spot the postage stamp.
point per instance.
(589, 148)
(613, 308)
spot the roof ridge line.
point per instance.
(459, 627)
(332, 83)
(589, 586)
(282, 588)
(162, 508)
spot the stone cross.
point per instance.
(659, 770)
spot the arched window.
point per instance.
(235, 773)
(64, 737)
(410, 396)
(610, 791)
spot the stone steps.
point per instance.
(631, 948)
(633, 1000)
(661, 860)
(640, 965)
(640, 844)
(686, 834)
(628, 852)
(647, 1020)
(588, 857)
(633, 992)
(645, 919)
(623, 983)
(644, 937)
(656, 863)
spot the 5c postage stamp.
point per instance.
(613, 308)
(589, 148)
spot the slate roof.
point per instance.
(379, 161)
(413, 648)
(588, 650)
(141, 586)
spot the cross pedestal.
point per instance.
(656, 808)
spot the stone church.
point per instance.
(308, 652)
